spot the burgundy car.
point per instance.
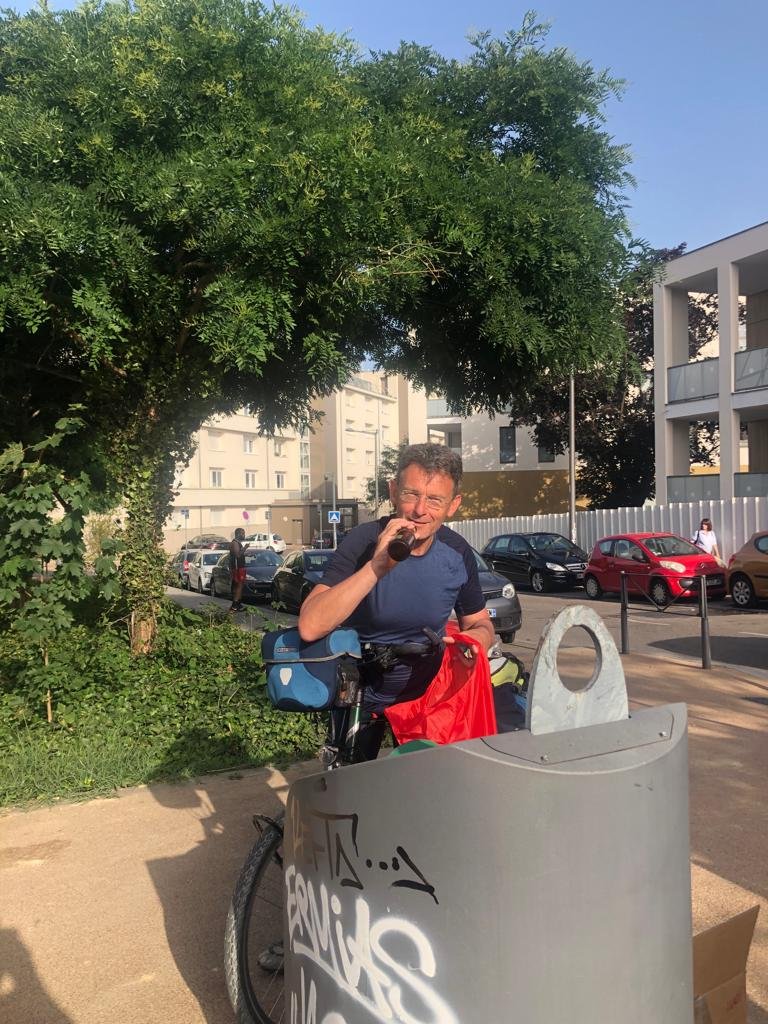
(660, 565)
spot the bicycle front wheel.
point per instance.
(254, 926)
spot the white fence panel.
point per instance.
(734, 521)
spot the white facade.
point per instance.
(730, 387)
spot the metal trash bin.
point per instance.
(534, 877)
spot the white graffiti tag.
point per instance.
(360, 963)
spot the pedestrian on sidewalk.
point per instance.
(237, 569)
(706, 539)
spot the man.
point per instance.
(391, 602)
(237, 569)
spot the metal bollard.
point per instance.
(706, 650)
(624, 615)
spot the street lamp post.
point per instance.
(357, 430)
(572, 458)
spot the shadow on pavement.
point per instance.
(748, 651)
(195, 887)
(22, 996)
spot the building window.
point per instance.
(304, 454)
(279, 443)
(280, 480)
(216, 517)
(250, 478)
(249, 440)
(305, 485)
(351, 456)
(545, 454)
(507, 445)
(216, 477)
(453, 440)
(368, 458)
(214, 440)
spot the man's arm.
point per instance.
(327, 607)
(479, 627)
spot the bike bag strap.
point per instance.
(305, 676)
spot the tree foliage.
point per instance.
(205, 204)
(615, 412)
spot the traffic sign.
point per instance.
(245, 514)
(184, 512)
(334, 516)
(267, 514)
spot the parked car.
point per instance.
(748, 572)
(208, 540)
(542, 560)
(661, 565)
(501, 600)
(296, 577)
(260, 568)
(266, 542)
(200, 569)
(325, 539)
(179, 565)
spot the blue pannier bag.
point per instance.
(305, 676)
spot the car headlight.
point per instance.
(508, 590)
(554, 567)
(674, 566)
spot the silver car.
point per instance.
(200, 569)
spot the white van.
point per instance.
(266, 542)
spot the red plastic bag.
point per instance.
(457, 704)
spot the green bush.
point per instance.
(198, 703)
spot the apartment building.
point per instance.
(505, 473)
(730, 386)
(235, 477)
(370, 413)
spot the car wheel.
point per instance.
(592, 588)
(508, 638)
(270, 548)
(538, 581)
(742, 592)
(659, 593)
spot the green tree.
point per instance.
(615, 412)
(387, 470)
(205, 204)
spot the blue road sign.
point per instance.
(185, 512)
(334, 516)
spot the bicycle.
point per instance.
(255, 915)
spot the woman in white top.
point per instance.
(706, 539)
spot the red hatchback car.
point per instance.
(660, 565)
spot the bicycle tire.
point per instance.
(254, 922)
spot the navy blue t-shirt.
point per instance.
(421, 591)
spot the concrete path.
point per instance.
(112, 911)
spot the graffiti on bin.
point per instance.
(357, 957)
(330, 841)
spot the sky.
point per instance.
(694, 107)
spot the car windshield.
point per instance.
(262, 559)
(317, 561)
(669, 545)
(212, 558)
(276, 536)
(552, 544)
(482, 565)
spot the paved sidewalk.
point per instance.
(112, 911)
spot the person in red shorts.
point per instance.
(237, 569)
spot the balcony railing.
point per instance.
(751, 369)
(698, 487)
(690, 381)
(750, 485)
(438, 407)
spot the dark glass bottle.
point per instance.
(401, 544)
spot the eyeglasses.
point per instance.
(433, 501)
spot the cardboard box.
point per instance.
(720, 970)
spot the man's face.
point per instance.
(426, 500)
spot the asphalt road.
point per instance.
(737, 638)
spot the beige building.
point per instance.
(288, 483)
(730, 387)
(505, 473)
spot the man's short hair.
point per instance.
(239, 532)
(432, 458)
